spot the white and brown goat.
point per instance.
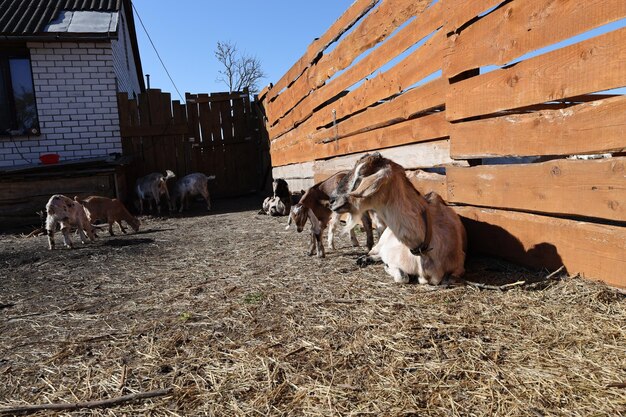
(110, 211)
(424, 237)
(189, 186)
(67, 212)
(152, 187)
(279, 204)
(314, 206)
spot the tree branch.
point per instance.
(28, 409)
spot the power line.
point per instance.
(157, 52)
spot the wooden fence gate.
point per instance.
(216, 134)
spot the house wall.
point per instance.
(123, 60)
(75, 91)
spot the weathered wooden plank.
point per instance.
(402, 107)
(415, 67)
(420, 129)
(216, 97)
(594, 127)
(424, 24)
(416, 155)
(296, 184)
(596, 64)
(357, 10)
(153, 130)
(426, 182)
(524, 26)
(595, 251)
(593, 188)
(459, 12)
(373, 29)
(302, 170)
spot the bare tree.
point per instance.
(239, 71)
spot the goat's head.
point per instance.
(134, 222)
(299, 215)
(369, 176)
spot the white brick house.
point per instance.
(79, 59)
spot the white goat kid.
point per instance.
(192, 185)
(67, 212)
(424, 237)
(152, 187)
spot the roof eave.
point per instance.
(130, 19)
(59, 37)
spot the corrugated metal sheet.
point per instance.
(30, 17)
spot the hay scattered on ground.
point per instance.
(227, 310)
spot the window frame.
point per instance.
(7, 54)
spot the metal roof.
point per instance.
(32, 17)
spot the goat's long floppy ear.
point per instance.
(371, 184)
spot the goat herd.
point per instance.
(83, 213)
(418, 235)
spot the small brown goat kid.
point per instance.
(424, 236)
(314, 206)
(110, 211)
(67, 212)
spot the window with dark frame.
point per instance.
(18, 110)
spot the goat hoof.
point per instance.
(364, 261)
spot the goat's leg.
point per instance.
(140, 206)
(82, 235)
(111, 227)
(332, 227)
(312, 246)
(369, 233)
(50, 227)
(181, 201)
(157, 202)
(122, 228)
(205, 194)
(353, 239)
(372, 257)
(65, 230)
(319, 245)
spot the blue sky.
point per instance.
(277, 32)
(186, 33)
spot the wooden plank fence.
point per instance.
(216, 134)
(457, 86)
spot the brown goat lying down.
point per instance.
(67, 212)
(424, 237)
(313, 206)
(110, 211)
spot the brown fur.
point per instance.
(379, 184)
(315, 202)
(67, 212)
(110, 211)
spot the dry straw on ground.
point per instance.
(227, 311)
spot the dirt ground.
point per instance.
(227, 311)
